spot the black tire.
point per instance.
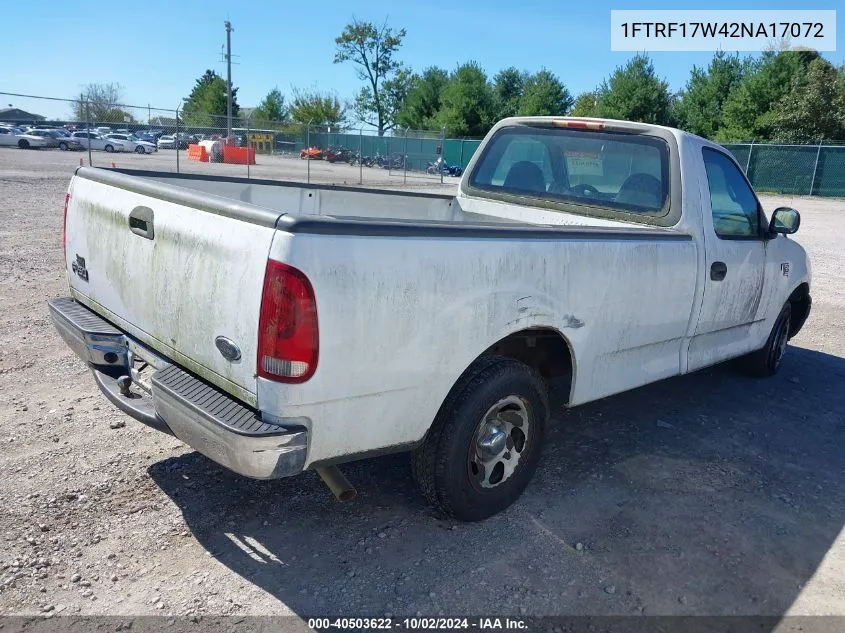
(443, 465)
(109, 148)
(767, 360)
(139, 149)
(63, 146)
(23, 144)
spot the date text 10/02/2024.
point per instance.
(418, 623)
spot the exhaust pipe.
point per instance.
(337, 483)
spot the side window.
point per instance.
(733, 204)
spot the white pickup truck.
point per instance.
(276, 327)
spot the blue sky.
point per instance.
(156, 49)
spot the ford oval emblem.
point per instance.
(228, 348)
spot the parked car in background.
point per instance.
(147, 135)
(64, 140)
(48, 135)
(168, 141)
(185, 139)
(134, 145)
(24, 140)
(96, 141)
(8, 136)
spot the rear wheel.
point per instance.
(109, 148)
(63, 146)
(23, 144)
(484, 445)
(766, 361)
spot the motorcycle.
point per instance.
(311, 153)
(338, 155)
(440, 166)
(394, 161)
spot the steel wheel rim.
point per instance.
(779, 348)
(500, 443)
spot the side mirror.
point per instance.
(784, 221)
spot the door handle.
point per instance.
(718, 270)
(141, 222)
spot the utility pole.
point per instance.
(229, 30)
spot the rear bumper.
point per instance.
(207, 419)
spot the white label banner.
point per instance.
(694, 30)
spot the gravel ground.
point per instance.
(705, 494)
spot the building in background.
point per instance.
(16, 115)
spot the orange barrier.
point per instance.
(238, 155)
(197, 152)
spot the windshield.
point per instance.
(577, 168)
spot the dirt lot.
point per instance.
(706, 494)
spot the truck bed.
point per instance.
(359, 205)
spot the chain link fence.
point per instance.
(181, 140)
(161, 139)
(806, 170)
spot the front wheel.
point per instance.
(109, 148)
(23, 144)
(767, 360)
(139, 149)
(484, 444)
(63, 147)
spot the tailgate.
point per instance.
(173, 275)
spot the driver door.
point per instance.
(735, 256)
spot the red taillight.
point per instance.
(64, 228)
(288, 339)
(579, 125)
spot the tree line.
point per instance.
(785, 96)
(781, 95)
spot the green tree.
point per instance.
(814, 110)
(423, 99)
(748, 110)
(271, 109)
(394, 91)
(317, 108)
(508, 87)
(206, 105)
(371, 49)
(545, 95)
(466, 103)
(635, 93)
(586, 104)
(700, 106)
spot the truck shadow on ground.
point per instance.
(705, 494)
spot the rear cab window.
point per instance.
(611, 174)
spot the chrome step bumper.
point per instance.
(207, 419)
